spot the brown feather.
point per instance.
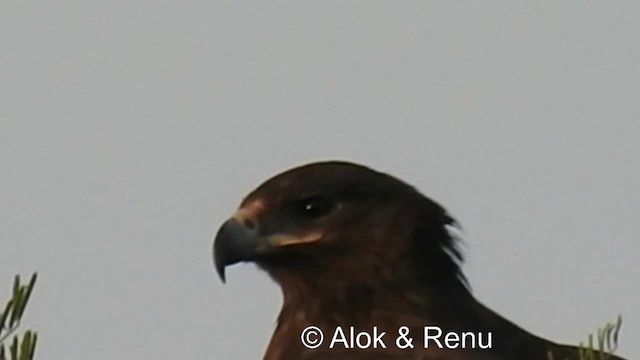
(384, 257)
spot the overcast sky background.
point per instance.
(130, 130)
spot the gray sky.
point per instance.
(130, 130)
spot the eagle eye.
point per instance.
(314, 206)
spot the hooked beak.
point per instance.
(234, 242)
(239, 239)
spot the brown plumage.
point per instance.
(350, 246)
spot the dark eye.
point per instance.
(314, 206)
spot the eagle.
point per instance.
(362, 258)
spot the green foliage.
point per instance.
(607, 343)
(21, 348)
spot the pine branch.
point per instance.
(21, 348)
(607, 337)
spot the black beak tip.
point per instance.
(219, 262)
(221, 274)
